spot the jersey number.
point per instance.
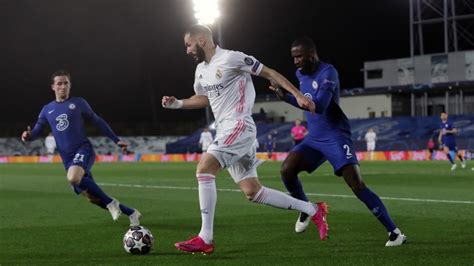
(348, 151)
(63, 123)
(78, 158)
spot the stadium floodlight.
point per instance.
(206, 11)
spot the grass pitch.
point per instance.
(43, 222)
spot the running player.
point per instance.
(66, 116)
(205, 139)
(447, 138)
(329, 137)
(223, 81)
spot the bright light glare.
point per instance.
(206, 11)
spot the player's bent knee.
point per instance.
(75, 174)
(250, 188)
(208, 164)
(74, 179)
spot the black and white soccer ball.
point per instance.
(138, 240)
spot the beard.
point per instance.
(200, 55)
(309, 66)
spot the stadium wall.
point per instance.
(424, 69)
(279, 110)
(368, 106)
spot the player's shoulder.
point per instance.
(326, 67)
(78, 100)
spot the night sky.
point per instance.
(125, 55)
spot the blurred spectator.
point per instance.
(256, 144)
(431, 146)
(205, 140)
(370, 138)
(298, 132)
(50, 144)
(270, 145)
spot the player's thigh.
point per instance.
(233, 144)
(303, 157)
(245, 167)
(84, 158)
(339, 153)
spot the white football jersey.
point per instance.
(227, 82)
(370, 137)
(206, 139)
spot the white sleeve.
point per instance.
(245, 63)
(197, 85)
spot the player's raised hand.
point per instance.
(26, 135)
(122, 145)
(306, 103)
(171, 102)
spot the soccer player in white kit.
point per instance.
(205, 140)
(50, 144)
(370, 138)
(223, 81)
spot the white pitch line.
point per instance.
(310, 194)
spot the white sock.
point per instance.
(281, 200)
(207, 203)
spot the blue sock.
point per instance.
(89, 184)
(450, 157)
(295, 188)
(375, 205)
(126, 209)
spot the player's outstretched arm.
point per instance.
(30, 134)
(279, 80)
(194, 102)
(26, 135)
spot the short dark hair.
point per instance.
(197, 29)
(60, 73)
(305, 42)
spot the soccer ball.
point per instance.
(138, 240)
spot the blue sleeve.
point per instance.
(292, 100)
(326, 90)
(39, 126)
(90, 115)
(323, 98)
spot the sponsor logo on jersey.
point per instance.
(63, 123)
(218, 74)
(248, 61)
(315, 85)
(308, 95)
(213, 87)
(72, 106)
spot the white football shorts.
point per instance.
(233, 148)
(371, 146)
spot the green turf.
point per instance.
(43, 222)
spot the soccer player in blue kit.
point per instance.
(447, 138)
(66, 116)
(329, 137)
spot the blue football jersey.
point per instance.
(66, 120)
(331, 122)
(448, 137)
